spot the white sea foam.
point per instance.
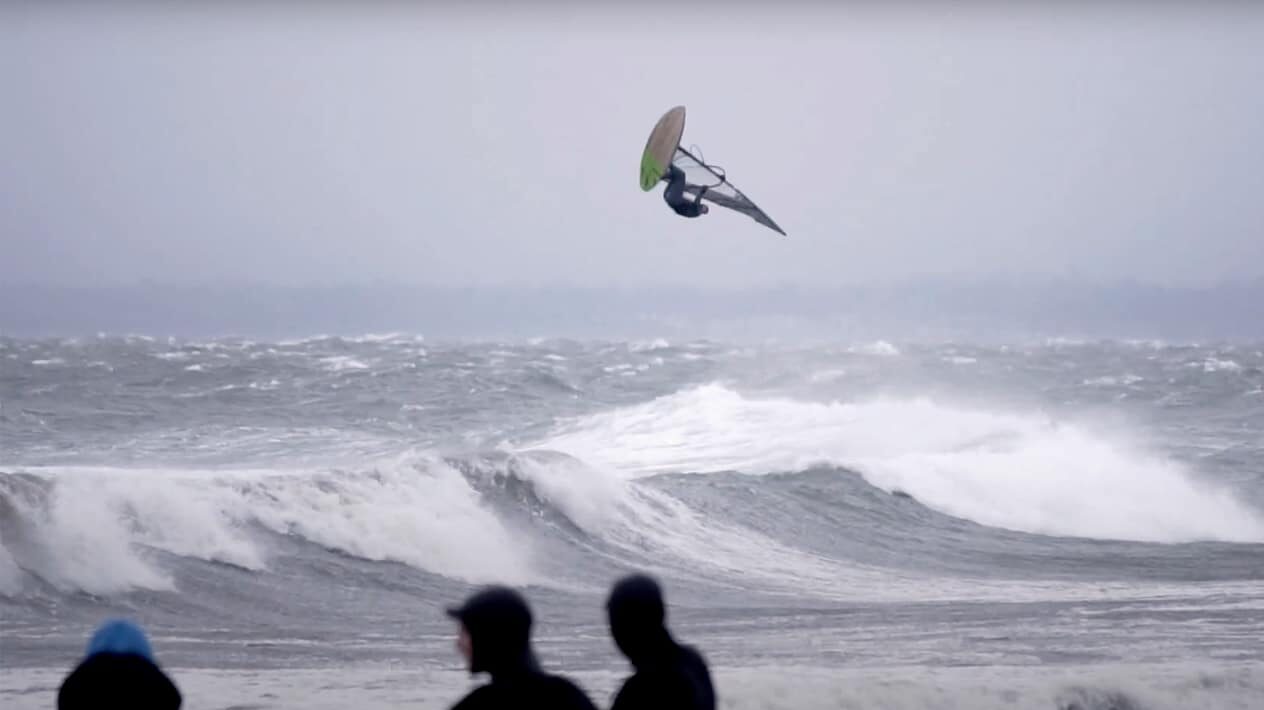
(997, 468)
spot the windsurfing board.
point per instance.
(661, 147)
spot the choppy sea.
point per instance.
(1052, 524)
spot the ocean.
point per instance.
(1045, 524)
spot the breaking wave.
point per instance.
(1002, 469)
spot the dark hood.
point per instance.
(638, 621)
(499, 624)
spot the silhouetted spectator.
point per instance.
(669, 675)
(118, 671)
(495, 638)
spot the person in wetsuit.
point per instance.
(495, 638)
(668, 675)
(118, 671)
(674, 194)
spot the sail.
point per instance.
(716, 188)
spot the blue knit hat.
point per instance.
(120, 636)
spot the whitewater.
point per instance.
(1050, 524)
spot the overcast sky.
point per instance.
(417, 145)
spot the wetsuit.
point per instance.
(674, 195)
(669, 675)
(499, 624)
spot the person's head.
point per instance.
(118, 670)
(638, 618)
(495, 633)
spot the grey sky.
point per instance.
(502, 146)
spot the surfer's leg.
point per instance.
(675, 190)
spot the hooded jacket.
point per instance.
(498, 622)
(669, 675)
(118, 671)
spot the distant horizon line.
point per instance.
(668, 340)
(1019, 281)
(936, 310)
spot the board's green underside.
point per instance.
(651, 171)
